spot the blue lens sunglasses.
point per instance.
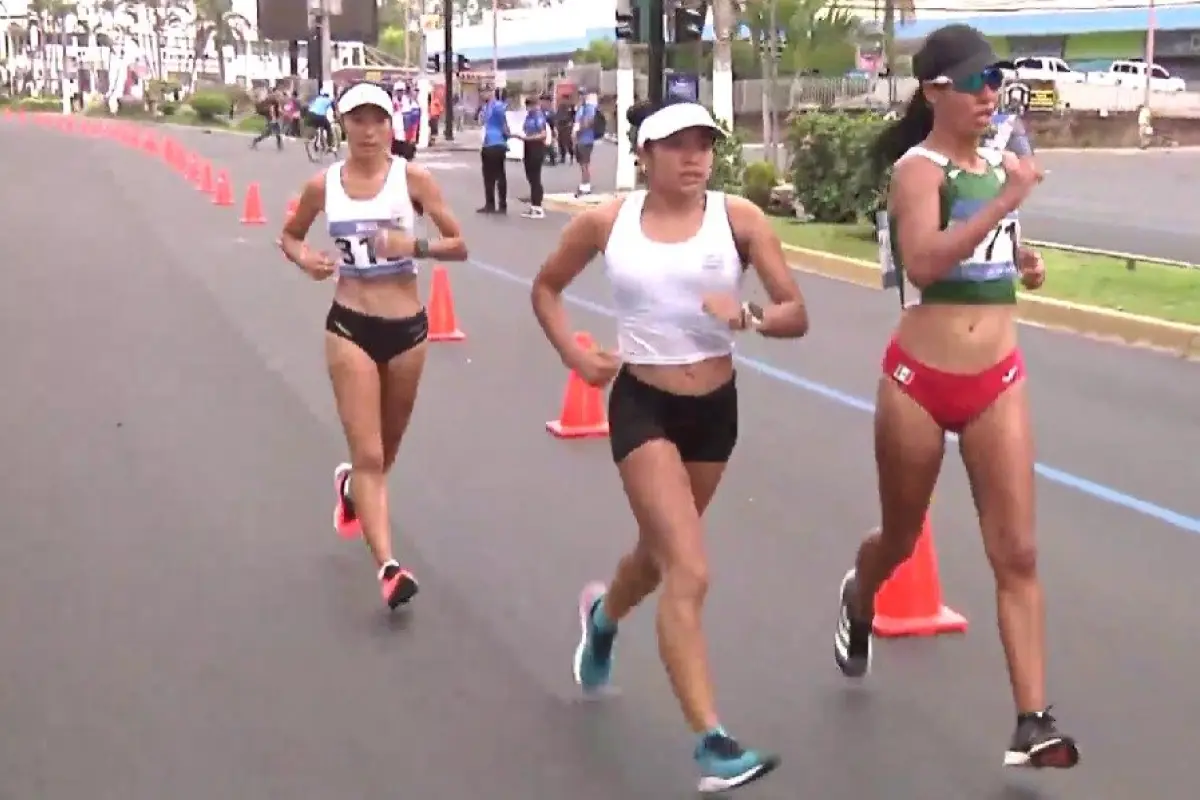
(992, 78)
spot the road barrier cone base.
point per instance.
(947, 620)
(450, 336)
(582, 432)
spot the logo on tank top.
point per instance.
(712, 262)
(902, 375)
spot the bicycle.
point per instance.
(318, 145)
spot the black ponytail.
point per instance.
(903, 134)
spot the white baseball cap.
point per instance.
(670, 120)
(365, 94)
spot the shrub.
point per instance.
(209, 105)
(831, 164)
(131, 107)
(729, 163)
(169, 108)
(251, 124)
(39, 103)
(760, 179)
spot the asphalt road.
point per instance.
(1143, 203)
(179, 621)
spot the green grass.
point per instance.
(1152, 290)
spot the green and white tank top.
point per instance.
(988, 275)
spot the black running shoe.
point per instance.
(1037, 743)
(852, 641)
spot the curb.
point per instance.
(1131, 329)
(455, 148)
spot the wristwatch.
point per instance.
(421, 248)
(752, 316)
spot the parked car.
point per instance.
(1132, 74)
(1046, 68)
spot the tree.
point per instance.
(598, 52)
(392, 40)
(163, 15)
(217, 23)
(724, 16)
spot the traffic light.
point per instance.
(627, 27)
(689, 24)
(462, 63)
(434, 63)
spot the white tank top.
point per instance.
(354, 223)
(658, 289)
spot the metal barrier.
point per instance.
(1131, 259)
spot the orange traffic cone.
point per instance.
(910, 602)
(252, 210)
(443, 324)
(204, 178)
(582, 414)
(222, 191)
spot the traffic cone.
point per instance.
(443, 324)
(191, 170)
(204, 177)
(582, 414)
(222, 190)
(252, 209)
(150, 144)
(910, 602)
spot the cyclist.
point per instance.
(317, 116)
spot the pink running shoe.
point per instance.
(345, 521)
(396, 584)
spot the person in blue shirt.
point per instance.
(535, 133)
(493, 154)
(317, 115)
(585, 140)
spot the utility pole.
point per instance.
(657, 51)
(772, 80)
(448, 67)
(324, 11)
(626, 34)
(1151, 24)
(495, 39)
(889, 48)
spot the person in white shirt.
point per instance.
(376, 327)
(675, 255)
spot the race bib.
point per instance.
(890, 276)
(998, 251)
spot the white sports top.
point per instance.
(354, 223)
(658, 289)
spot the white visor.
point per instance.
(364, 94)
(670, 120)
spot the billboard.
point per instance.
(287, 20)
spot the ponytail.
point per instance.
(903, 134)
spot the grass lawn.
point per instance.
(1153, 290)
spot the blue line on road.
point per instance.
(1052, 474)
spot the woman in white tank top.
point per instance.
(675, 255)
(376, 328)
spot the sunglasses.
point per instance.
(992, 78)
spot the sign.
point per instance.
(1176, 43)
(289, 20)
(683, 86)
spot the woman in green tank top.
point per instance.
(950, 242)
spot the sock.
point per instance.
(601, 620)
(585, 187)
(388, 566)
(346, 488)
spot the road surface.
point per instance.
(1143, 203)
(179, 621)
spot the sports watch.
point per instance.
(421, 248)
(752, 316)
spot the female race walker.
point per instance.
(376, 327)
(953, 365)
(675, 255)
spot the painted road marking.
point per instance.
(1099, 491)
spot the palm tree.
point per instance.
(218, 24)
(724, 18)
(905, 11)
(50, 18)
(162, 15)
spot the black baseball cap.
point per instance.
(954, 53)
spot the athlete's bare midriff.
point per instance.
(958, 338)
(390, 297)
(694, 380)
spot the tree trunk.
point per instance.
(722, 83)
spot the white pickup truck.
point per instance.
(1132, 74)
(1046, 68)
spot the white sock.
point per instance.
(346, 488)
(585, 187)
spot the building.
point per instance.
(544, 29)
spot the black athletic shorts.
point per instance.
(379, 337)
(703, 428)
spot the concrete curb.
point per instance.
(1087, 320)
(437, 148)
